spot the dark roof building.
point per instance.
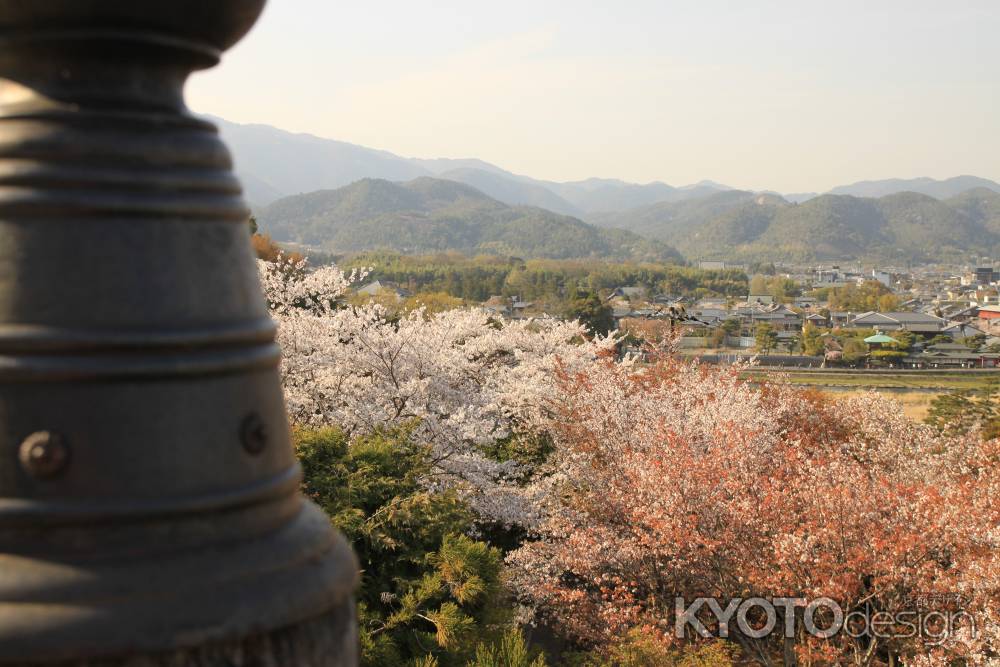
(895, 321)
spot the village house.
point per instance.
(628, 293)
(805, 302)
(379, 288)
(918, 323)
(668, 300)
(951, 355)
(987, 319)
(498, 305)
(961, 330)
(762, 299)
(816, 320)
(780, 317)
(841, 318)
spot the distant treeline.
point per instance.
(478, 278)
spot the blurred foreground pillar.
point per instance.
(149, 504)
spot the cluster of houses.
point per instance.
(942, 310)
(939, 342)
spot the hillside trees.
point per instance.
(761, 228)
(431, 215)
(479, 277)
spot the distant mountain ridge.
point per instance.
(705, 219)
(432, 215)
(944, 189)
(273, 163)
(747, 225)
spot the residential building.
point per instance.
(962, 330)
(986, 275)
(987, 318)
(816, 320)
(377, 287)
(919, 323)
(765, 299)
(630, 293)
(951, 355)
(882, 277)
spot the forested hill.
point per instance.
(754, 226)
(432, 215)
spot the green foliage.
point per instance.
(960, 411)
(812, 343)
(476, 278)
(888, 355)
(530, 450)
(638, 650)
(432, 215)
(974, 342)
(510, 650)
(428, 590)
(906, 339)
(731, 326)
(432, 302)
(253, 225)
(870, 295)
(765, 337)
(854, 350)
(782, 289)
(592, 312)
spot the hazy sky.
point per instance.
(793, 96)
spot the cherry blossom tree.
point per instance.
(462, 377)
(678, 479)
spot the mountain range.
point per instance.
(427, 215)
(346, 197)
(756, 226)
(273, 163)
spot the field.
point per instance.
(899, 380)
(915, 403)
(914, 390)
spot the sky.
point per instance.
(793, 96)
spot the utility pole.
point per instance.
(149, 497)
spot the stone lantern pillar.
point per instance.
(149, 504)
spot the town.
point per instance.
(821, 316)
